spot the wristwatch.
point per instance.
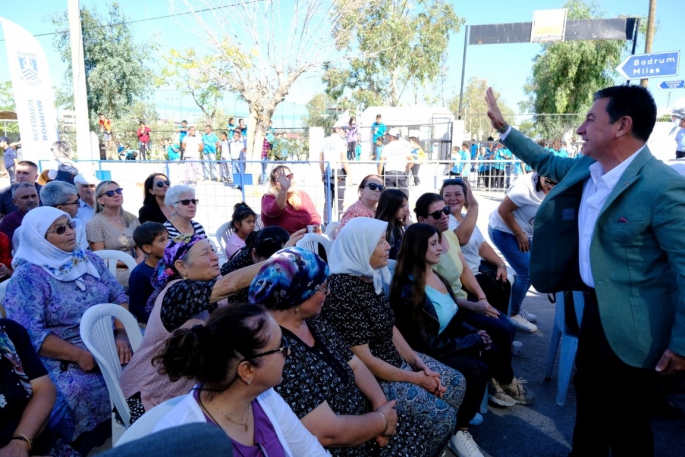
(504, 128)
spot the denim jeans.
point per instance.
(519, 261)
(265, 163)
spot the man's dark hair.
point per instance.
(184, 121)
(377, 116)
(28, 163)
(147, 232)
(633, 101)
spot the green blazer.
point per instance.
(637, 251)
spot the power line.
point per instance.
(154, 18)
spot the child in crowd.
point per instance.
(242, 223)
(151, 238)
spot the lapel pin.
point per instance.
(623, 220)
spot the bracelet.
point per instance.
(504, 128)
(22, 437)
(501, 266)
(386, 422)
(482, 298)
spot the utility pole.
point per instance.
(649, 39)
(78, 76)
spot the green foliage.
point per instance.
(527, 127)
(297, 148)
(566, 74)
(474, 109)
(116, 65)
(317, 114)
(7, 104)
(391, 45)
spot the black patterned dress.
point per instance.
(360, 316)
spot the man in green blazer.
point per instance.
(613, 227)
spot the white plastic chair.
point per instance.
(311, 242)
(111, 257)
(332, 230)
(147, 422)
(223, 233)
(569, 344)
(98, 336)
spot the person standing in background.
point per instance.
(210, 144)
(182, 132)
(333, 158)
(378, 129)
(144, 140)
(10, 158)
(352, 132)
(679, 140)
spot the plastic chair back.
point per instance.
(332, 230)
(223, 233)
(98, 336)
(147, 422)
(311, 242)
(111, 257)
(569, 344)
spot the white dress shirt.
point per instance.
(596, 190)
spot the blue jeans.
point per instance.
(265, 163)
(519, 261)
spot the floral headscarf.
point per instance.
(166, 269)
(288, 278)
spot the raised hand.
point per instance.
(494, 113)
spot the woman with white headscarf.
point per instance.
(53, 284)
(359, 310)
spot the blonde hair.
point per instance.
(99, 191)
(293, 197)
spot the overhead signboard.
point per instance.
(548, 25)
(672, 84)
(655, 65)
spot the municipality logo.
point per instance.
(28, 64)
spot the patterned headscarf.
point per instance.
(288, 278)
(166, 269)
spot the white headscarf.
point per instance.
(352, 250)
(35, 249)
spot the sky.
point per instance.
(506, 67)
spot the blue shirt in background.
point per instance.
(209, 140)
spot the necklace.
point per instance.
(242, 424)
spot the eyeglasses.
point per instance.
(285, 349)
(187, 202)
(290, 176)
(163, 183)
(374, 186)
(438, 214)
(323, 288)
(72, 203)
(110, 193)
(452, 182)
(61, 229)
(549, 182)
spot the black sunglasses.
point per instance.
(110, 193)
(438, 214)
(374, 186)
(61, 229)
(549, 182)
(452, 182)
(285, 349)
(187, 202)
(163, 183)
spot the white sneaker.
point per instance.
(532, 318)
(521, 323)
(462, 445)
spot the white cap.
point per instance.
(86, 178)
(339, 125)
(394, 132)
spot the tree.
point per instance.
(566, 74)
(263, 47)
(189, 72)
(317, 115)
(7, 104)
(116, 65)
(402, 44)
(476, 122)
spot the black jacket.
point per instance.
(422, 333)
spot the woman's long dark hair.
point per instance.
(148, 198)
(211, 353)
(389, 203)
(411, 266)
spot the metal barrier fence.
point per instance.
(218, 196)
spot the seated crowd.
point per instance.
(385, 348)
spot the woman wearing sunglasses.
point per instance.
(236, 359)
(369, 193)
(53, 284)
(112, 227)
(154, 209)
(324, 383)
(183, 206)
(511, 229)
(287, 206)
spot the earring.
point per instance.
(249, 382)
(297, 310)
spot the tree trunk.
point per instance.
(255, 135)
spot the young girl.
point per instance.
(243, 223)
(393, 208)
